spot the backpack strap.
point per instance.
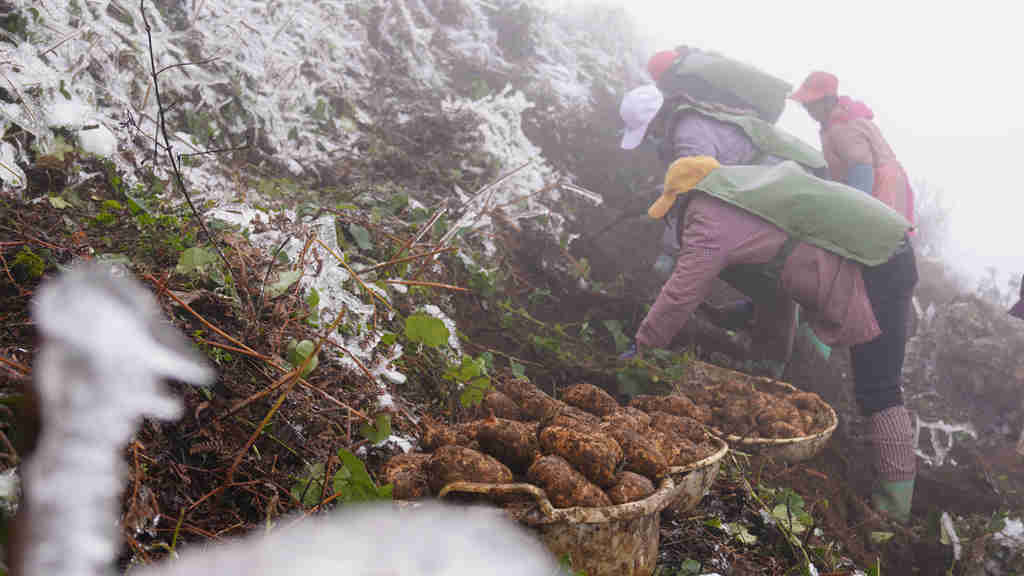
(773, 268)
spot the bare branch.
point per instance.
(162, 124)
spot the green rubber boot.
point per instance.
(894, 498)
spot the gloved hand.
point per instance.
(632, 352)
(664, 265)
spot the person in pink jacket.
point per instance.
(855, 150)
(847, 304)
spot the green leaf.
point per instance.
(689, 567)
(713, 523)
(788, 518)
(378, 432)
(299, 351)
(313, 304)
(354, 483)
(308, 488)
(313, 298)
(740, 532)
(354, 466)
(539, 295)
(745, 537)
(136, 205)
(284, 282)
(362, 236)
(426, 329)
(114, 259)
(60, 148)
(112, 205)
(634, 380)
(58, 202)
(398, 202)
(621, 340)
(474, 391)
(881, 537)
(388, 339)
(467, 370)
(196, 260)
(518, 370)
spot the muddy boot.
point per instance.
(895, 462)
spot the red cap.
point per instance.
(817, 85)
(660, 62)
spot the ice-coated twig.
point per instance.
(104, 352)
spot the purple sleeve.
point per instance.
(699, 135)
(693, 137)
(702, 258)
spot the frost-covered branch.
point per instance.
(104, 352)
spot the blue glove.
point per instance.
(630, 353)
(664, 265)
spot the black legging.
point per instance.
(878, 364)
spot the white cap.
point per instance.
(639, 107)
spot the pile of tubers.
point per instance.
(582, 450)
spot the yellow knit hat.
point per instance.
(681, 177)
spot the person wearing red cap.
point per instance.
(858, 155)
(855, 150)
(661, 62)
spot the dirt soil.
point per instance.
(542, 317)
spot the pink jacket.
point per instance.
(849, 138)
(715, 235)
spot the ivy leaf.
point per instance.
(467, 370)
(518, 370)
(713, 523)
(427, 330)
(354, 483)
(298, 352)
(58, 202)
(621, 340)
(196, 259)
(741, 533)
(284, 282)
(398, 202)
(379, 431)
(361, 235)
(388, 339)
(473, 393)
(689, 567)
(313, 304)
(788, 518)
(881, 537)
(308, 488)
(633, 380)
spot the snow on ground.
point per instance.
(302, 82)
